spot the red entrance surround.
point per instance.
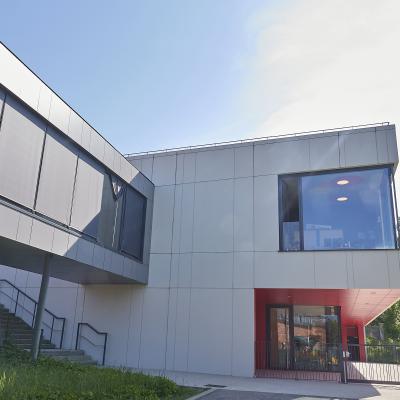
(358, 307)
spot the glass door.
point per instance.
(279, 346)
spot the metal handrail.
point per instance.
(79, 335)
(254, 139)
(33, 314)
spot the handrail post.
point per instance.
(52, 327)
(104, 349)
(77, 335)
(62, 333)
(16, 303)
(34, 314)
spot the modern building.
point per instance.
(227, 258)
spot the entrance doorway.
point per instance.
(305, 338)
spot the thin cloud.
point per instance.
(324, 64)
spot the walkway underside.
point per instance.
(18, 255)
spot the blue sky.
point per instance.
(153, 74)
(146, 74)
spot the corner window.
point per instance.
(132, 233)
(337, 210)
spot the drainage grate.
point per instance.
(214, 386)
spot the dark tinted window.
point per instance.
(110, 213)
(133, 223)
(290, 213)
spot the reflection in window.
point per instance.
(339, 210)
(316, 337)
(290, 213)
(132, 234)
(347, 210)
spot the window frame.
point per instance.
(299, 175)
(142, 229)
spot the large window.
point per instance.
(337, 210)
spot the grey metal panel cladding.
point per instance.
(57, 175)
(2, 95)
(109, 204)
(87, 196)
(133, 224)
(21, 141)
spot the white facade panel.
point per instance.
(243, 333)
(324, 152)
(243, 270)
(357, 149)
(243, 214)
(41, 235)
(114, 302)
(284, 270)
(97, 146)
(135, 327)
(370, 269)
(87, 197)
(147, 167)
(9, 222)
(213, 216)
(181, 338)
(282, 157)
(212, 270)
(214, 165)
(244, 165)
(154, 330)
(21, 141)
(57, 178)
(266, 213)
(17, 78)
(186, 218)
(159, 275)
(185, 270)
(44, 103)
(163, 214)
(164, 169)
(75, 127)
(331, 272)
(25, 223)
(59, 113)
(210, 332)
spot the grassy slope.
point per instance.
(53, 380)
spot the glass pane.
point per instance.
(279, 346)
(348, 210)
(290, 213)
(291, 236)
(133, 224)
(316, 338)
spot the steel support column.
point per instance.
(40, 307)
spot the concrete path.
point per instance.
(222, 394)
(302, 389)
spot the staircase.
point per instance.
(20, 334)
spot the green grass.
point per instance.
(47, 379)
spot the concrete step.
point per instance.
(62, 352)
(75, 356)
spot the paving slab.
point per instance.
(224, 394)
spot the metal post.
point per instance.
(40, 308)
